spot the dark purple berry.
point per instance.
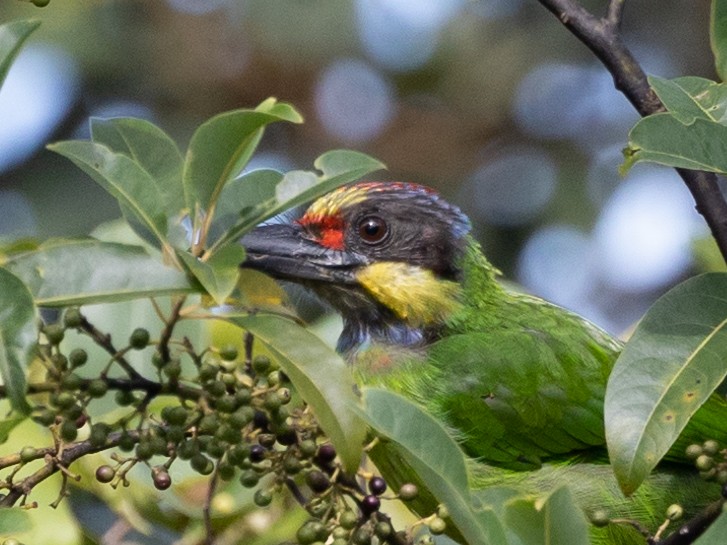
(318, 481)
(161, 478)
(370, 504)
(257, 453)
(377, 486)
(325, 455)
(260, 421)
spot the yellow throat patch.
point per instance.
(414, 294)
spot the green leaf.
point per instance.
(12, 37)
(123, 178)
(557, 521)
(244, 199)
(18, 336)
(220, 148)
(8, 424)
(663, 139)
(320, 376)
(75, 272)
(715, 533)
(689, 98)
(14, 521)
(152, 149)
(718, 36)
(415, 439)
(670, 366)
(219, 274)
(297, 187)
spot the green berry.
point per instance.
(68, 430)
(207, 372)
(272, 401)
(187, 449)
(144, 450)
(40, 4)
(711, 447)
(127, 443)
(73, 317)
(45, 417)
(78, 357)
(124, 398)
(437, 526)
(97, 388)
(139, 338)
(173, 369)
(226, 404)
(408, 492)
(383, 530)
(229, 352)
(176, 415)
(99, 434)
(348, 520)
(600, 518)
(674, 512)
(274, 378)
(54, 333)
(63, 400)
(225, 471)
(216, 388)
(694, 451)
(28, 454)
(105, 474)
(201, 464)
(361, 536)
(249, 479)
(704, 462)
(263, 497)
(72, 381)
(261, 364)
(442, 511)
(310, 532)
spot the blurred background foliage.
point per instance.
(490, 101)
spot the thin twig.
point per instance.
(603, 38)
(104, 341)
(166, 334)
(207, 509)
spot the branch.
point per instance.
(602, 37)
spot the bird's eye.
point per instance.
(372, 229)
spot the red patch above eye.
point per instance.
(328, 230)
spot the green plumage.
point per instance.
(520, 383)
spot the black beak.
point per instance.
(286, 252)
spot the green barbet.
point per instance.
(519, 382)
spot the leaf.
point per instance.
(74, 272)
(337, 167)
(7, 425)
(248, 196)
(557, 521)
(690, 98)
(12, 37)
(663, 139)
(715, 533)
(667, 370)
(320, 376)
(219, 274)
(18, 336)
(425, 446)
(152, 149)
(123, 178)
(220, 148)
(14, 521)
(718, 36)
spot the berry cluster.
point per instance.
(229, 415)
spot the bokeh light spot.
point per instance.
(38, 92)
(643, 235)
(512, 188)
(354, 102)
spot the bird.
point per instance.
(518, 381)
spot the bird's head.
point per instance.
(385, 255)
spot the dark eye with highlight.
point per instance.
(373, 229)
